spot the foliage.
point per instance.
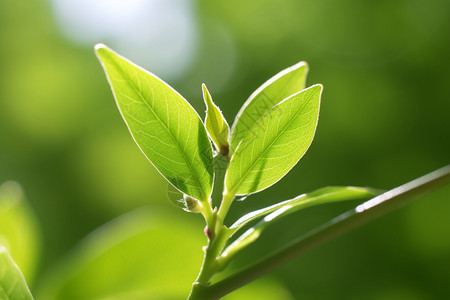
(134, 255)
(272, 140)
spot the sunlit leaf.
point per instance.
(320, 196)
(278, 140)
(12, 282)
(216, 124)
(282, 209)
(19, 229)
(147, 254)
(273, 91)
(163, 124)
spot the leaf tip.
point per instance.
(317, 86)
(205, 90)
(101, 50)
(300, 65)
(206, 96)
(100, 47)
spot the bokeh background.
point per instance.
(385, 120)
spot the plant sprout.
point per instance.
(210, 165)
(269, 135)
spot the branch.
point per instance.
(362, 214)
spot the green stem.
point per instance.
(225, 205)
(208, 213)
(210, 265)
(218, 235)
(363, 213)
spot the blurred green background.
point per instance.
(385, 119)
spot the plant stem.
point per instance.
(208, 213)
(225, 204)
(218, 235)
(363, 213)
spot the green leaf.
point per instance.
(12, 282)
(216, 124)
(272, 92)
(279, 139)
(320, 196)
(19, 228)
(282, 209)
(164, 125)
(149, 253)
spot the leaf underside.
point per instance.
(164, 125)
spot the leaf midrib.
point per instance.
(268, 147)
(168, 130)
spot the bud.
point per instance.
(216, 125)
(192, 204)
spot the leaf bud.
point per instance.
(192, 204)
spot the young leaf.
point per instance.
(320, 196)
(272, 92)
(280, 138)
(216, 124)
(165, 127)
(282, 209)
(12, 282)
